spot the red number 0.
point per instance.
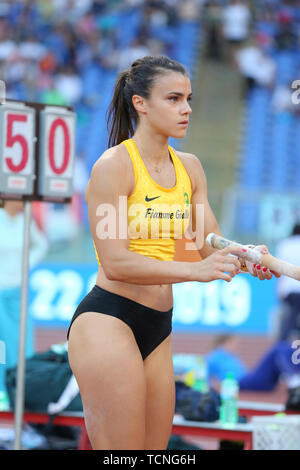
(59, 122)
(12, 139)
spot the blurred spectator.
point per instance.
(288, 289)
(107, 52)
(282, 99)
(222, 358)
(266, 27)
(88, 50)
(256, 66)
(7, 49)
(48, 63)
(156, 47)
(189, 10)
(86, 25)
(138, 48)
(52, 96)
(275, 365)
(71, 10)
(11, 245)
(69, 85)
(4, 8)
(286, 37)
(236, 25)
(32, 49)
(156, 13)
(212, 19)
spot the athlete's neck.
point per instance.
(153, 149)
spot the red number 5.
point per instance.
(12, 139)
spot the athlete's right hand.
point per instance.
(218, 264)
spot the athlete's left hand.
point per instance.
(261, 271)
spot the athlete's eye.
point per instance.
(189, 98)
(175, 98)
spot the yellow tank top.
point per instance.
(156, 216)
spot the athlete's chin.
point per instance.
(179, 134)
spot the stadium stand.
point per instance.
(74, 58)
(269, 156)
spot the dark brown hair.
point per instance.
(138, 80)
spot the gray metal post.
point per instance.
(19, 403)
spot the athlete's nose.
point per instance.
(187, 109)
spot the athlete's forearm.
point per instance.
(138, 269)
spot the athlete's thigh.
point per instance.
(160, 396)
(108, 367)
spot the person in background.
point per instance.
(282, 102)
(257, 67)
(236, 19)
(276, 364)
(288, 289)
(212, 19)
(222, 358)
(11, 245)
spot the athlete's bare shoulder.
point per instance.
(114, 166)
(193, 167)
(116, 155)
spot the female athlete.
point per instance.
(141, 196)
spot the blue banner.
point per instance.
(242, 306)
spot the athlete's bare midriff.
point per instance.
(159, 297)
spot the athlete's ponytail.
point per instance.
(122, 115)
(119, 118)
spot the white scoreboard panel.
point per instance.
(17, 141)
(37, 151)
(56, 152)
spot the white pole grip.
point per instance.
(269, 261)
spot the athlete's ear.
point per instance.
(139, 103)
